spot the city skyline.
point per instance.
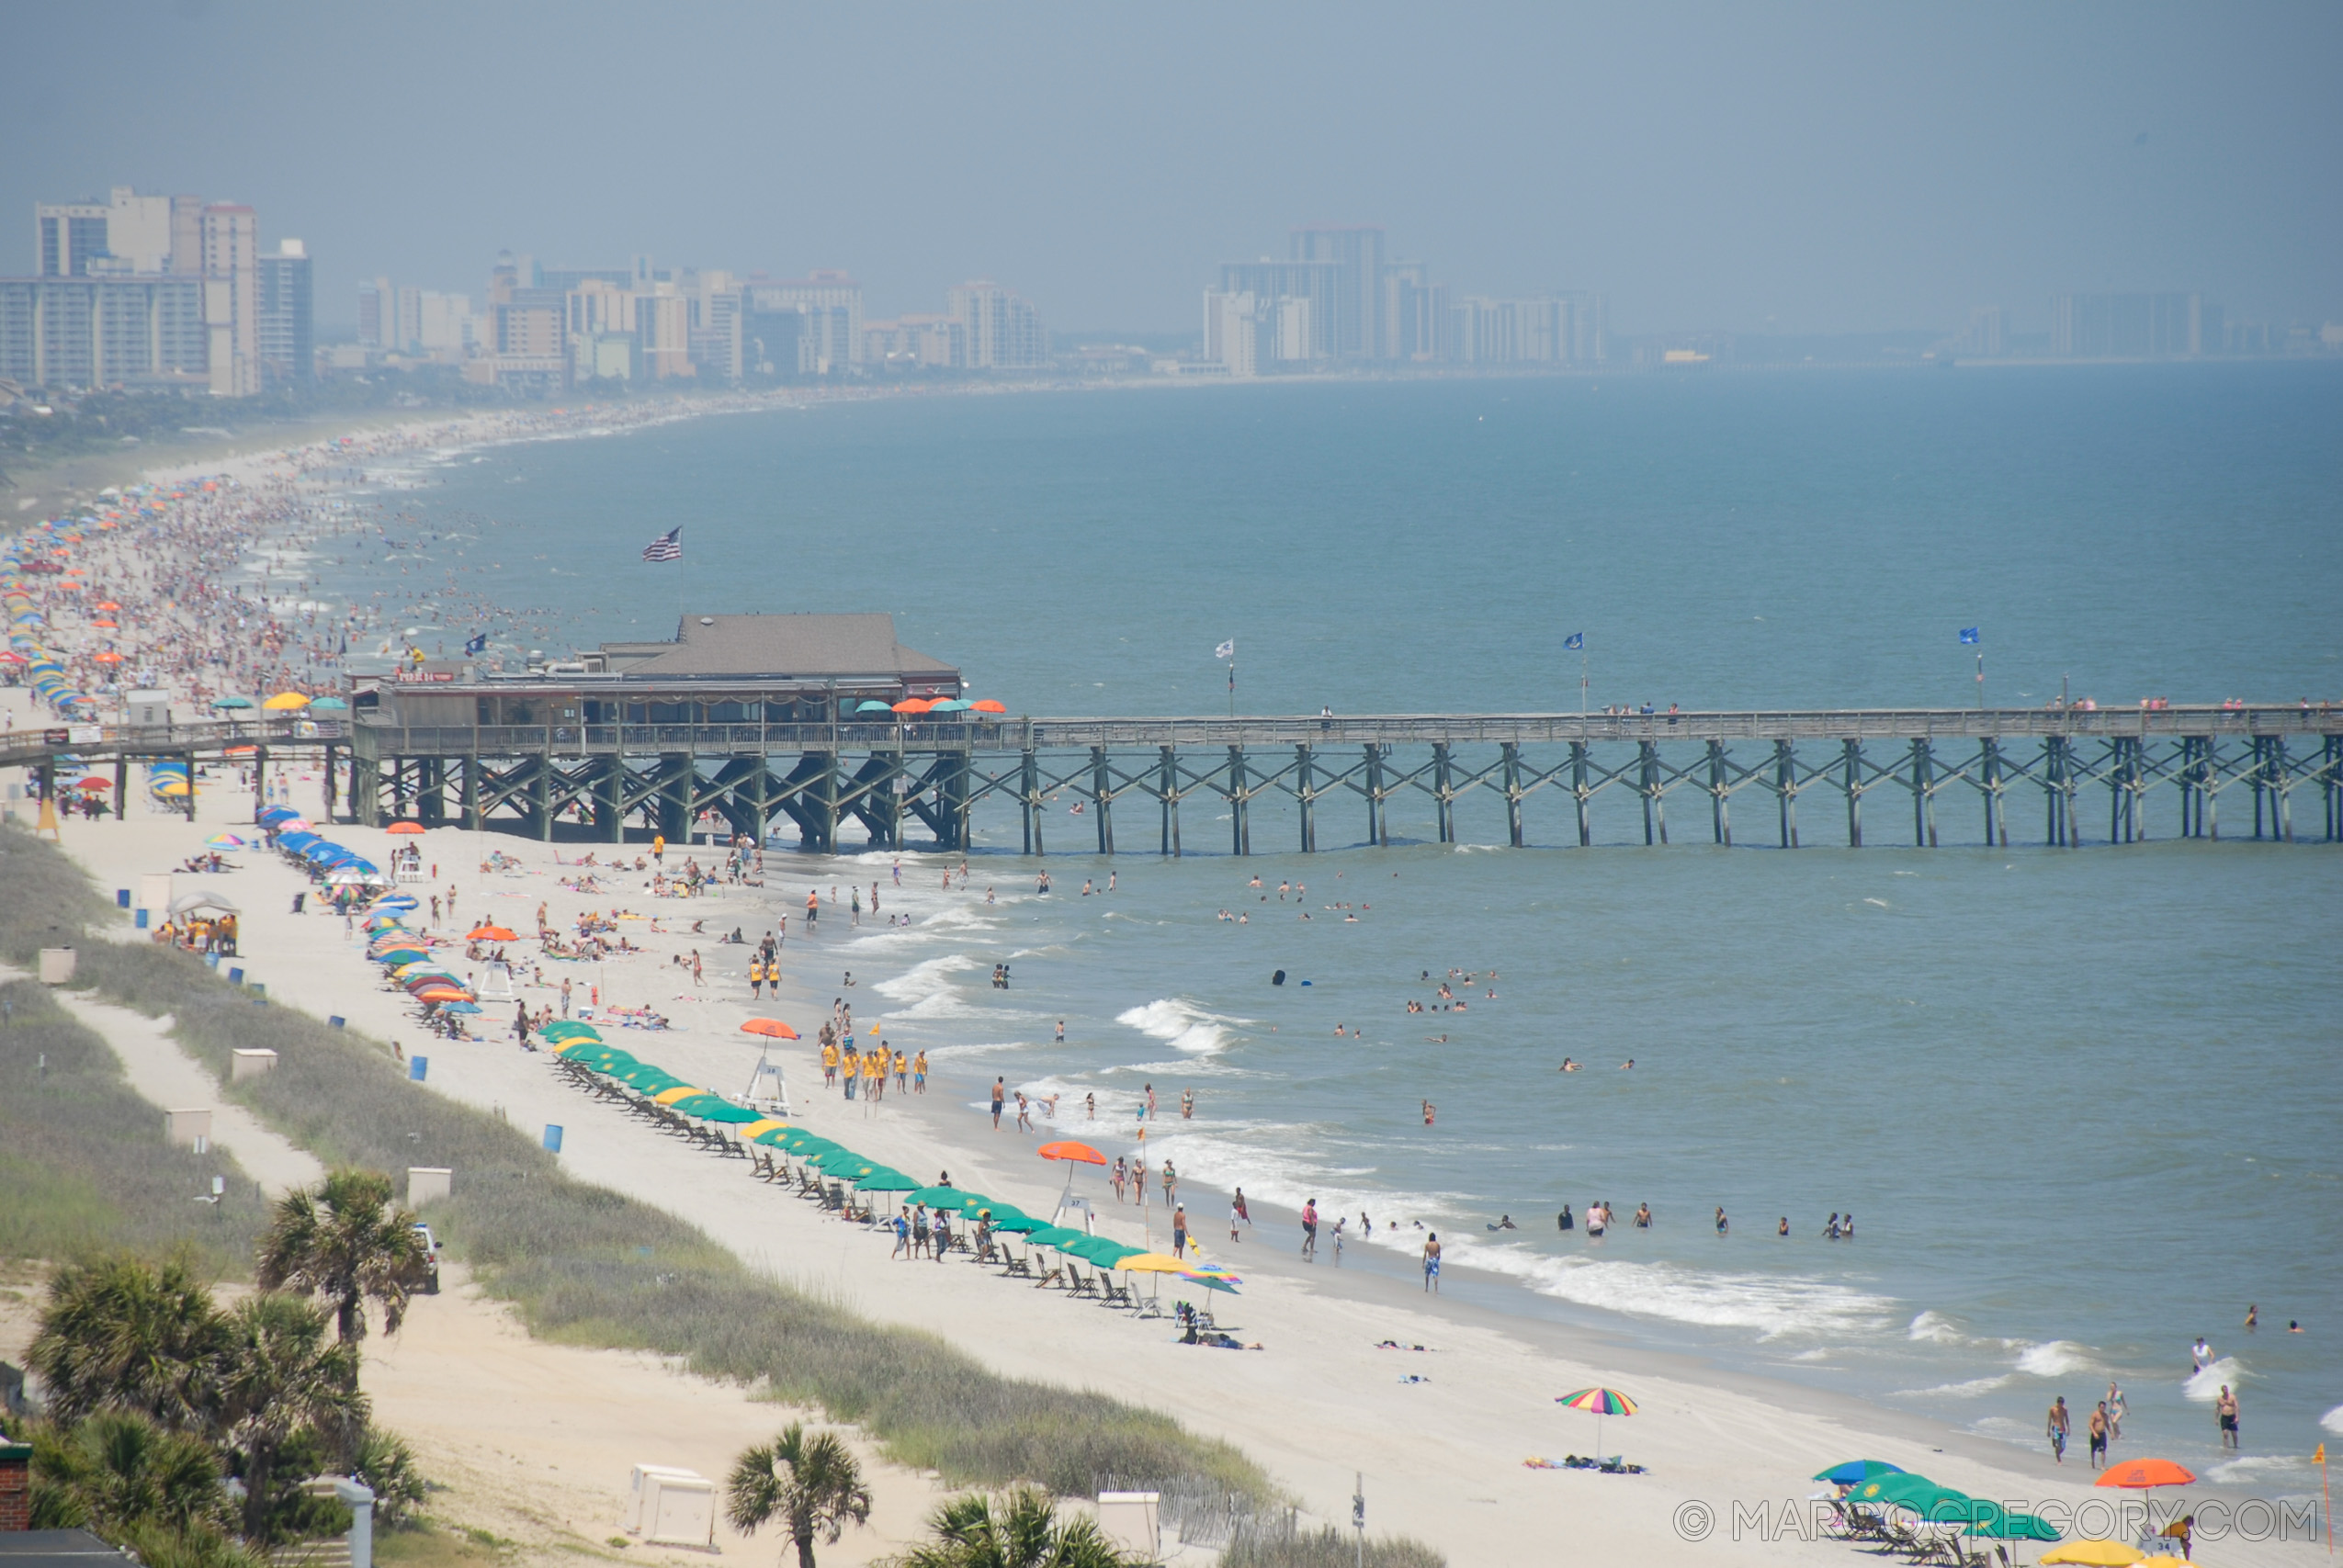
(1818, 170)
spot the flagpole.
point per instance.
(1232, 688)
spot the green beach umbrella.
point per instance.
(395, 957)
(1018, 1223)
(774, 1137)
(1855, 1471)
(2015, 1527)
(1057, 1236)
(835, 1156)
(940, 1196)
(885, 1180)
(711, 1108)
(568, 1029)
(1918, 1494)
(852, 1170)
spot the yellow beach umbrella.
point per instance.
(284, 700)
(1151, 1263)
(767, 1125)
(682, 1091)
(2094, 1554)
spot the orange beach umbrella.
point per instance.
(1079, 1153)
(489, 933)
(773, 1028)
(2139, 1474)
(396, 827)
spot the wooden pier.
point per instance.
(1857, 777)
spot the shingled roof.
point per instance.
(789, 647)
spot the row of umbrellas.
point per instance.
(406, 957)
(931, 704)
(583, 1043)
(1879, 1484)
(335, 865)
(283, 702)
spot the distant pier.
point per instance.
(675, 761)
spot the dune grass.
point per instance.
(1327, 1548)
(84, 1166)
(591, 1265)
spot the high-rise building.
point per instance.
(230, 235)
(285, 335)
(1555, 329)
(2134, 326)
(71, 235)
(188, 296)
(101, 331)
(833, 302)
(375, 310)
(1238, 332)
(1353, 311)
(1318, 282)
(1415, 314)
(1004, 331)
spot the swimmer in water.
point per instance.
(1568, 1065)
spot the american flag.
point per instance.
(667, 547)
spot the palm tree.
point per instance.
(278, 1380)
(119, 1334)
(119, 1470)
(345, 1242)
(812, 1485)
(1018, 1530)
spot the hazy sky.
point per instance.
(1791, 167)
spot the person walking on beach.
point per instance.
(2095, 1430)
(1171, 1181)
(1236, 1215)
(2226, 1407)
(1122, 1175)
(2059, 1425)
(1179, 1230)
(565, 995)
(1431, 1263)
(1000, 1094)
(521, 1024)
(2116, 1409)
(1309, 1230)
(919, 1072)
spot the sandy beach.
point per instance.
(1441, 1433)
(1443, 1457)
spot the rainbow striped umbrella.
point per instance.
(1602, 1402)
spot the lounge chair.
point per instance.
(1114, 1295)
(1051, 1274)
(1081, 1286)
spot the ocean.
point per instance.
(2085, 1105)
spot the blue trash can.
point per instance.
(336, 1019)
(417, 1066)
(553, 1137)
(235, 976)
(121, 898)
(139, 919)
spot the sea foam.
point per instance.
(1182, 1023)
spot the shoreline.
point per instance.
(331, 980)
(1444, 1459)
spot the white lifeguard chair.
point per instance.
(767, 1090)
(496, 984)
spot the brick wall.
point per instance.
(15, 1484)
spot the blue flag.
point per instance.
(1575, 641)
(476, 643)
(1968, 635)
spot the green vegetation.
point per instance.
(590, 1266)
(1330, 1548)
(83, 1161)
(347, 1242)
(1020, 1529)
(810, 1484)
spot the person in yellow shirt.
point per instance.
(829, 1067)
(854, 1069)
(902, 1071)
(756, 977)
(919, 1072)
